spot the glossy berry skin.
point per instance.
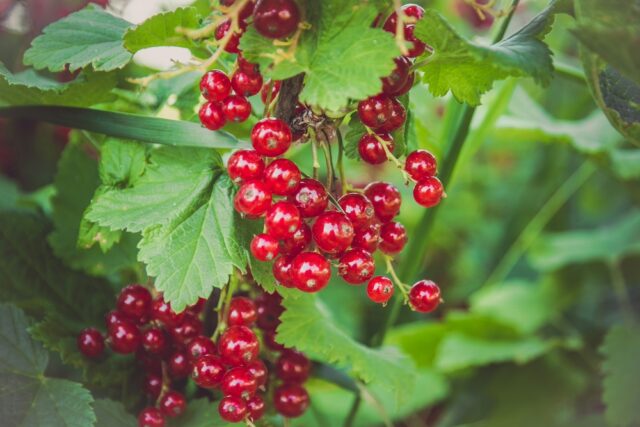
(356, 266)
(333, 232)
(212, 116)
(233, 44)
(185, 331)
(134, 301)
(200, 346)
(90, 343)
(208, 371)
(410, 10)
(232, 409)
(420, 164)
(398, 77)
(124, 337)
(264, 247)
(115, 316)
(282, 272)
(367, 238)
(291, 400)
(428, 192)
(397, 118)
(271, 137)
(153, 385)
(238, 345)
(244, 165)
(179, 365)
(246, 66)
(418, 46)
(154, 341)
(242, 311)
(253, 198)
(269, 91)
(393, 237)
(246, 84)
(380, 289)
(239, 382)
(197, 307)
(282, 220)
(310, 198)
(297, 242)
(310, 271)
(246, 11)
(358, 209)
(424, 296)
(259, 372)
(385, 198)
(215, 85)
(236, 109)
(292, 367)
(256, 408)
(403, 90)
(371, 150)
(173, 404)
(375, 111)
(268, 313)
(161, 311)
(282, 176)
(150, 417)
(276, 19)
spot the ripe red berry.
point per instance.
(90, 343)
(310, 271)
(208, 371)
(179, 365)
(134, 301)
(411, 10)
(271, 137)
(215, 85)
(420, 164)
(238, 345)
(154, 341)
(200, 346)
(246, 84)
(270, 90)
(161, 311)
(246, 11)
(310, 198)
(269, 312)
(371, 149)
(380, 289)
(232, 409)
(246, 66)
(297, 242)
(358, 209)
(212, 116)
(153, 385)
(276, 19)
(236, 108)
(256, 408)
(375, 111)
(150, 417)
(385, 198)
(356, 266)
(264, 247)
(124, 337)
(282, 176)
(173, 404)
(403, 90)
(291, 400)
(270, 342)
(333, 232)
(253, 198)
(393, 237)
(185, 331)
(428, 192)
(233, 43)
(398, 116)
(282, 272)
(114, 316)
(244, 165)
(282, 220)
(398, 77)
(239, 382)
(367, 238)
(293, 367)
(196, 308)
(242, 311)
(418, 46)
(424, 296)
(259, 371)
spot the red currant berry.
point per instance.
(298, 242)
(282, 176)
(153, 385)
(282, 220)
(232, 409)
(179, 366)
(150, 417)
(212, 116)
(238, 345)
(398, 77)
(356, 266)
(358, 209)
(333, 232)
(291, 400)
(259, 372)
(256, 408)
(293, 367)
(411, 10)
(470, 14)
(310, 198)
(189, 328)
(90, 343)
(196, 309)
(239, 382)
(385, 198)
(114, 316)
(244, 165)
(276, 19)
(269, 338)
(428, 192)
(424, 296)
(418, 46)
(282, 272)
(215, 85)
(246, 66)
(269, 311)
(271, 137)
(269, 91)
(403, 90)
(380, 289)
(264, 247)
(420, 164)
(246, 11)
(367, 238)
(161, 311)
(236, 108)
(150, 364)
(208, 371)
(242, 311)
(233, 43)
(124, 337)
(398, 116)
(310, 271)
(173, 404)
(246, 84)
(393, 237)
(371, 149)
(134, 301)
(375, 111)
(154, 341)
(200, 346)
(253, 198)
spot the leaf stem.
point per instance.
(569, 72)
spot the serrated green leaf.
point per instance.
(355, 130)
(160, 30)
(91, 36)
(200, 413)
(121, 162)
(621, 350)
(112, 414)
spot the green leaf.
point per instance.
(200, 413)
(112, 414)
(26, 395)
(121, 162)
(626, 163)
(355, 130)
(468, 69)
(328, 343)
(91, 36)
(621, 350)
(28, 87)
(160, 30)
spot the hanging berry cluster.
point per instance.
(171, 346)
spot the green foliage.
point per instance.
(161, 30)
(200, 413)
(112, 414)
